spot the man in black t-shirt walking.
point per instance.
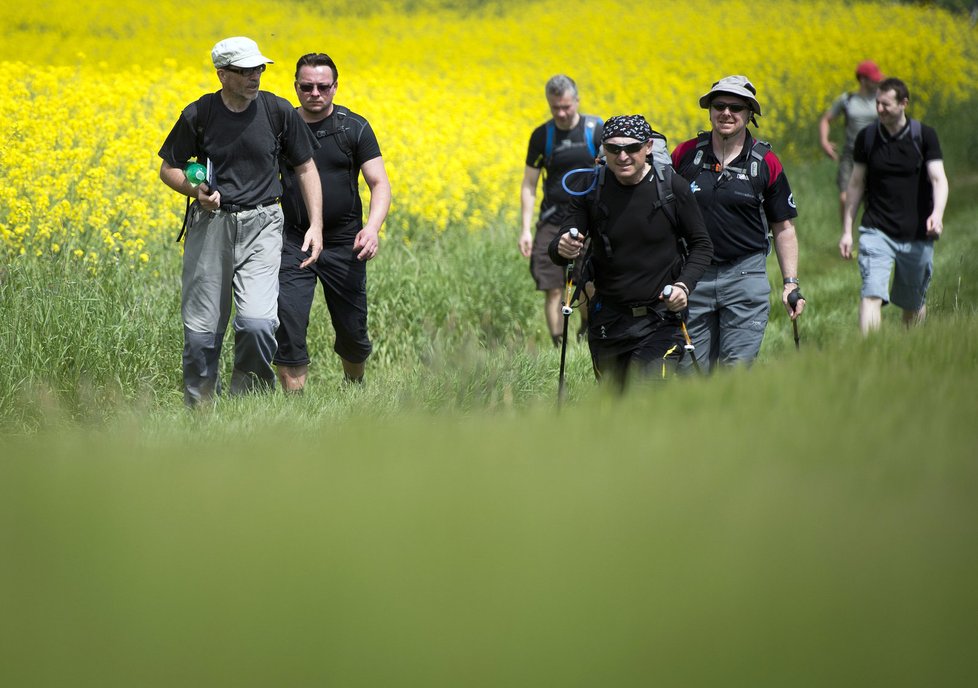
(348, 148)
(900, 170)
(569, 140)
(234, 234)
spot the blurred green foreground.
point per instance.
(807, 523)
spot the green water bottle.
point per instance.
(196, 173)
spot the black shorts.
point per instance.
(344, 280)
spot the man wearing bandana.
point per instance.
(641, 281)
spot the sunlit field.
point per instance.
(810, 521)
(89, 90)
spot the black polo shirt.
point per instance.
(899, 196)
(735, 217)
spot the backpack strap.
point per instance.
(548, 145)
(590, 128)
(276, 118)
(200, 124)
(916, 137)
(598, 213)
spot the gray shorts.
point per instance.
(914, 263)
(845, 170)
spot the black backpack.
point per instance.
(752, 171)
(916, 136)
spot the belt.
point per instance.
(638, 310)
(235, 208)
(714, 261)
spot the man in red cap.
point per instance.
(859, 109)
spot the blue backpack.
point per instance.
(590, 126)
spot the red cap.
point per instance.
(868, 69)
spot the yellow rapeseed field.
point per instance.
(89, 90)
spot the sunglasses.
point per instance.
(733, 107)
(323, 88)
(630, 148)
(245, 71)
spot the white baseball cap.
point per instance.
(238, 51)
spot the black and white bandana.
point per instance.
(632, 126)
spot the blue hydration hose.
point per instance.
(581, 170)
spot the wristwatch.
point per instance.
(791, 280)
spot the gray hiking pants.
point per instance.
(728, 312)
(230, 258)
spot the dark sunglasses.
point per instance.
(307, 88)
(245, 71)
(720, 106)
(630, 148)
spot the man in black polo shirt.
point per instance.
(900, 170)
(743, 192)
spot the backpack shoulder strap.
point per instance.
(759, 150)
(917, 137)
(276, 118)
(548, 145)
(204, 104)
(342, 131)
(597, 213)
(667, 197)
(702, 141)
(590, 127)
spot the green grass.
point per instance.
(808, 522)
(797, 524)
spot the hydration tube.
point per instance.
(581, 170)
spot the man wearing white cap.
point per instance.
(744, 193)
(234, 230)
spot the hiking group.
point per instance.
(669, 251)
(656, 293)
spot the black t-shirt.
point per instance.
(347, 141)
(570, 151)
(729, 203)
(645, 254)
(242, 146)
(899, 195)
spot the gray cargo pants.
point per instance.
(230, 257)
(728, 312)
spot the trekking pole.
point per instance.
(793, 298)
(688, 346)
(566, 309)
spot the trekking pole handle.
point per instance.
(565, 306)
(794, 297)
